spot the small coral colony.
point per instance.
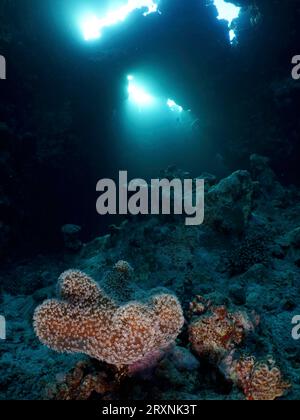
(129, 338)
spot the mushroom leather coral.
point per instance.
(85, 320)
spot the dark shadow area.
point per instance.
(62, 106)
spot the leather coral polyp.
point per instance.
(85, 320)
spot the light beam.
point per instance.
(137, 94)
(93, 26)
(229, 12)
(174, 106)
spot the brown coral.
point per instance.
(82, 383)
(215, 333)
(119, 282)
(123, 267)
(85, 320)
(259, 380)
(199, 306)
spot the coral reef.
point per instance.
(259, 380)
(253, 249)
(82, 383)
(86, 320)
(186, 261)
(290, 244)
(118, 282)
(217, 332)
(64, 122)
(229, 203)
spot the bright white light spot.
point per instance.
(137, 94)
(92, 26)
(227, 11)
(173, 106)
(232, 35)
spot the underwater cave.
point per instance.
(129, 302)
